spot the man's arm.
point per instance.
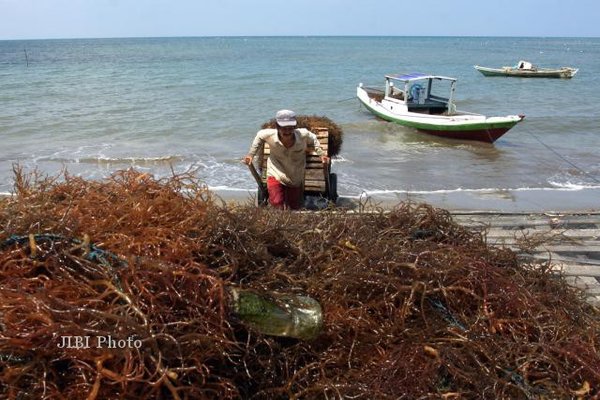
(318, 149)
(258, 141)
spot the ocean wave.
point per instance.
(133, 160)
(340, 159)
(481, 190)
(113, 160)
(573, 185)
(225, 188)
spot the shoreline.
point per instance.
(492, 201)
(565, 230)
(456, 202)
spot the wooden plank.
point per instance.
(571, 267)
(315, 165)
(570, 233)
(590, 247)
(544, 243)
(588, 283)
(571, 242)
(313, 185)
(314, 175)
(514, 224)
(313, 159)
(547, 241)
(320, 132)
(557, 258)
(577, 270)
(520, 221)
(479, 216)
(582, 217)
(556, 244)
(594, 300)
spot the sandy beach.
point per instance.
(501, 201)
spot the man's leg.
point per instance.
(276, 192)
(294, 197)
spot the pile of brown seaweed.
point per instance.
(415, 306)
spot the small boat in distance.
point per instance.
(525, 69)
(417, 104)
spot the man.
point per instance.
(287, 161)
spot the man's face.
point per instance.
(286, 130)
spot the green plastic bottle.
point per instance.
(277, 314)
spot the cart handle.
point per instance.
(327, 182)
(256, 176)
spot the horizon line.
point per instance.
(299, 36)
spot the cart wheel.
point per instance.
(332, 195)
(261, 200)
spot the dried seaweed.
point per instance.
(415, 306)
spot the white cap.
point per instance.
(285, 118)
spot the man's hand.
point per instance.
(325, 159)
(247, 160)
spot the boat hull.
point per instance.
(463, 127)
(563, 73)
(488, 135)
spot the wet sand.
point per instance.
(502, 201)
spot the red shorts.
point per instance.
(281, 196)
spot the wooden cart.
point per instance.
(318, 179)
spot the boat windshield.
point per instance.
(440, 89)
(425, 93)
(422, 87)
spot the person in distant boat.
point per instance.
(287, 160)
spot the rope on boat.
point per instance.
(563, 157)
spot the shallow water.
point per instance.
(95, 106)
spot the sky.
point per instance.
(55, 19)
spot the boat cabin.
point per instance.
(525, 65)
(421, 93)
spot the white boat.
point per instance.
(525, 69)
(411, 100)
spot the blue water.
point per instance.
(93, 106)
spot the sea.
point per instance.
(193, 104)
